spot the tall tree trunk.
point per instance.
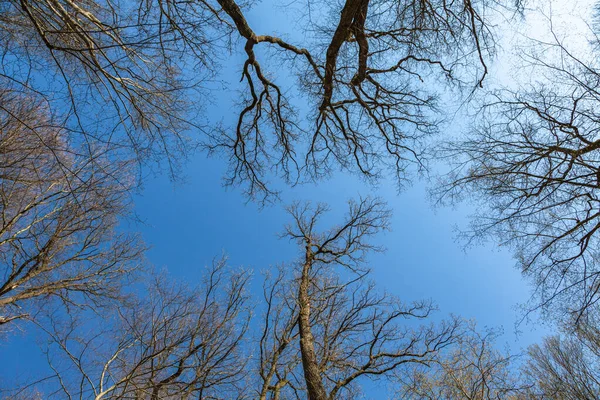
(314, 385)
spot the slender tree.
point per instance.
(326, 327)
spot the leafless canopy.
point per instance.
(566, 366)
(336, 329)
(364, 72)
(126, 75)
(112, 71)
(472, 369)
(171, 343)
(58, 215)
(533, 164)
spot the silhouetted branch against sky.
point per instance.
(59, 213)
(327, 329)
(132, 77)
(472, 369)
(531, 162)
(171, 341)
(365, 74)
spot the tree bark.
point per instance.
(312, 375)
(352, 21)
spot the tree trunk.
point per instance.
(314, 385)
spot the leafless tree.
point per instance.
(532, 164)
(58, 215)
(171, 343)
(279, 359)
(111, 70)
(472, 369)
(126, 75)
(566, 366)
(326, 327)
(364, 73)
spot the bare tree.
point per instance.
(58, 215)
(171, 343)
(127, 75)
(111, 70)
(364, 75)
(336, 329)
(532, 164)
(472, 369)
(279, 359)
(566, 366)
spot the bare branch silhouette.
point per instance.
(58, 215)
(337, 330)
(532, 164)
(472, 369)
(171, 343)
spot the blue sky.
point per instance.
(189, 224)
